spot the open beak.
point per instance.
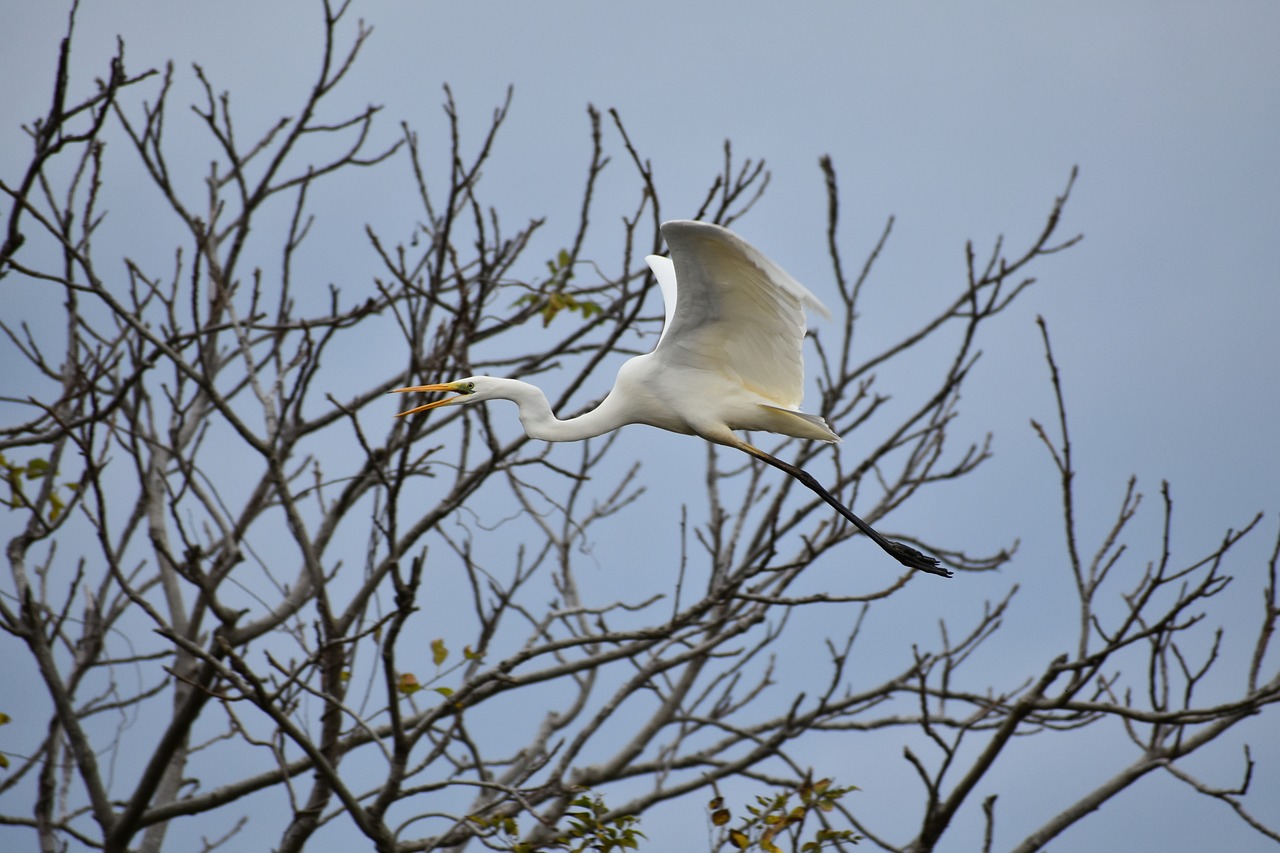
(448, 386)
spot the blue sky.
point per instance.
(961, 120)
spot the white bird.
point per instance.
(729, 358)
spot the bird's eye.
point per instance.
(469, 388)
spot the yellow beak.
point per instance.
(448, 386)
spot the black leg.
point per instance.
(904, 554)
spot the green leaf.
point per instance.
(438, 651)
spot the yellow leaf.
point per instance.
(438, 652)
(739, 839)
(720, 817)
(409, 683)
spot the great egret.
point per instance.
(729, 358)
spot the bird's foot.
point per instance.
(913, 559)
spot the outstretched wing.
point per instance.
(736, 312)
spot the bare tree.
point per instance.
(243, 594)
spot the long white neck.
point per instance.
(541, 423)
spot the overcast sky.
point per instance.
(961, 120)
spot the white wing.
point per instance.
(665, 272)
(736, 312)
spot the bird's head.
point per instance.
(473, 389)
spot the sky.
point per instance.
(962, 121)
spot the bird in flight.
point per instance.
(729, 359)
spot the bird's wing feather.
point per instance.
(736, 312)
(665, 272)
